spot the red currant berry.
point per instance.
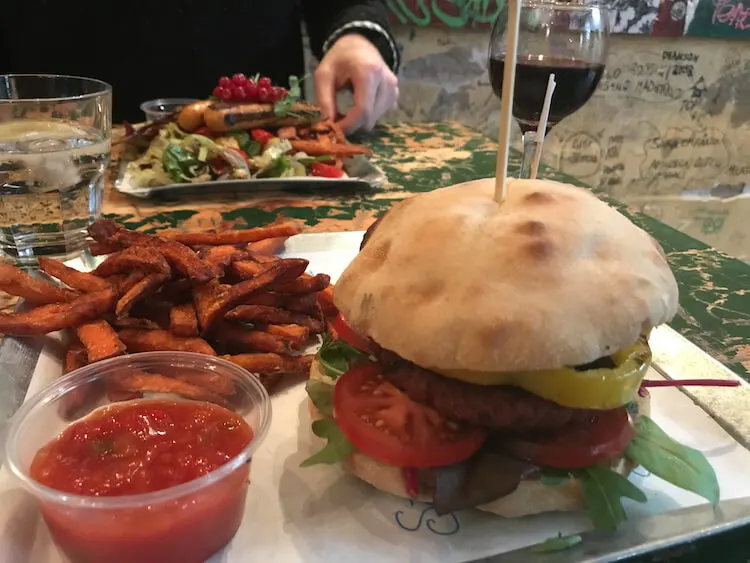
(238, 93)
(239, 79)
(264, 82)
(224, 94)
(279, 94)
(217, 92)
(264, 94)
(251, 90)
(225, 82)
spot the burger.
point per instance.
(491, 355)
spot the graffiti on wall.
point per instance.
(665, 18)
(450, 13)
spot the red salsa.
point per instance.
(140, 447)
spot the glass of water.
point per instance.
(54, 151)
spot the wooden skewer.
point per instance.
(542, 128)
(506, 104)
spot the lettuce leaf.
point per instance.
(602, 491)
(557, 543)
(336, 356)
(321, 395)
(336, 450)
(680, 465)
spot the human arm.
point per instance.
(356, 49)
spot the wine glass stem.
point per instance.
(529, 148)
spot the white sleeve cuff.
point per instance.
(370, 26)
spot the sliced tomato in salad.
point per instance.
(205, 131)
(261, 135)
(602, 437)
(342, 330)
(323, 170)
(384, 423)
(241, 153)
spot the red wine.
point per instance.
(575, 81)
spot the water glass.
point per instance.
(54, 150)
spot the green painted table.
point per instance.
(714, 288)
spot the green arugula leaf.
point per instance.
(321, 395)
(680, 465)
(557, 543)
(249, 146)
(336, 356)
(279, 165)
(308, 160)
(602, 490)
(283, 107)
(336, 450)
(180, 164)
(252, 148)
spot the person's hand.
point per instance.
(354, 60)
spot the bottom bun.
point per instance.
(531, 496)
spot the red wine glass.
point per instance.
(567, 39)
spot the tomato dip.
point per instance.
(142, 447)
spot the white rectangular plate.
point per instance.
(320, 514)
(362, 173)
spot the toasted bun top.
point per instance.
(553, 277)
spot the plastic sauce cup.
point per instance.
(156, 109)
(187, 522)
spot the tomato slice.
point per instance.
(241, 153)
(261, 135)
(205, 131)
(384, 423)
(602, 437)
(346, 333)
(323, 170)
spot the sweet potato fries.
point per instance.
(212, 293)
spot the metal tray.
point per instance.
(362, 173)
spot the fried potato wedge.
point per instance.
(305, 284)
(144, 287)
(102, 248)
(100, 340)
(136, 258)
(264, 314)
(37, 292)
(246, 269)
(325, 300)
(214, 382)
(318, 148)
(183, 321)
(180, 257)
(85, 394)
(305, 303)
(267, 247)
(212, 303)
(220, 257)
(272, 368)
(56, 316)
(162, 340)
(139, 323)
(295, 335)
(145, 382)
(71, 277)
(233, 337)
(236, 236)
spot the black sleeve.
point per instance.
(327, 20)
